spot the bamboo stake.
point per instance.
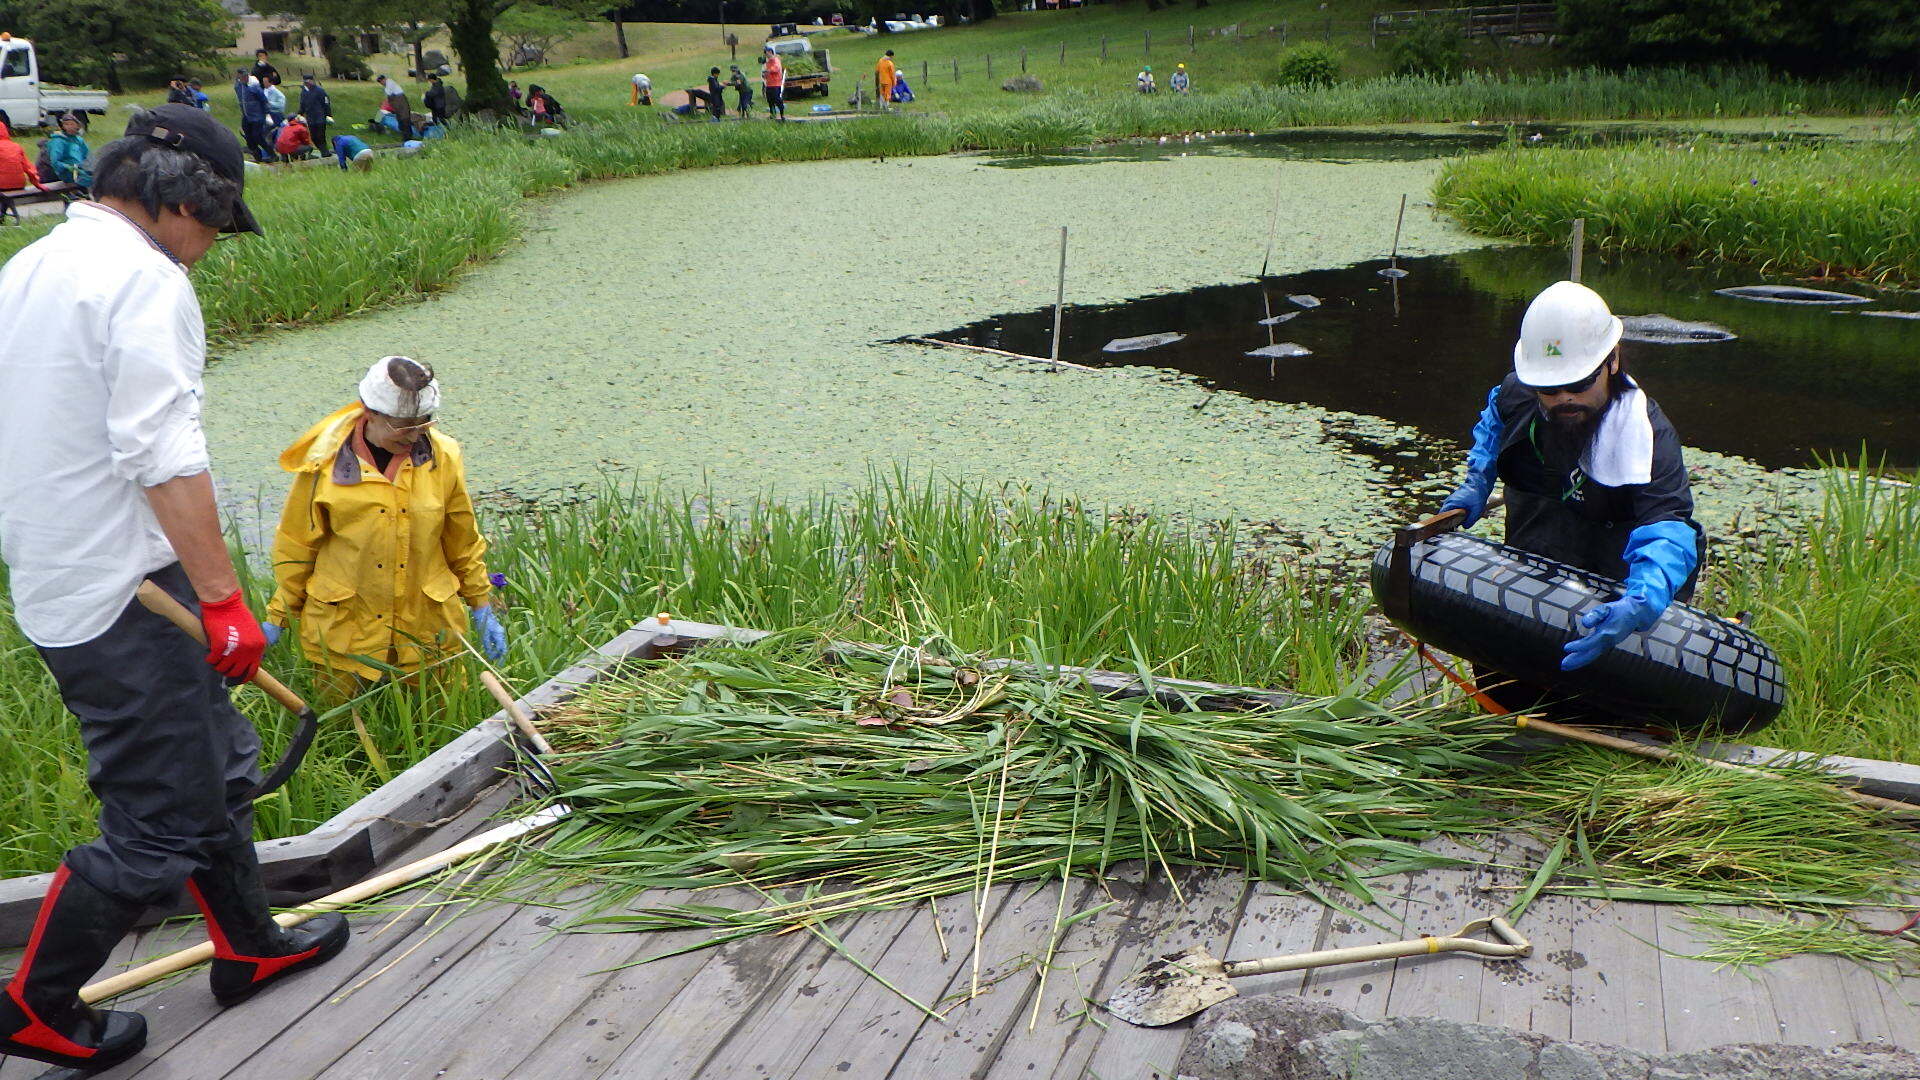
(521, 721)
(1579, 245)
(352, 894)
(1397, 221)
(1273, 226)
(1661, 753)
(1059, 298)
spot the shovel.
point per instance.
(1178, 985)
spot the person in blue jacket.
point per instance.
(67, 151)
(255, 127)
(1593, 470)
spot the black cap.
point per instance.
(184, 127)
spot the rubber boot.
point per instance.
(250, 950)
(41, 1011)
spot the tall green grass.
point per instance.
(339, 243)
(1833, 209)
(1840, 602)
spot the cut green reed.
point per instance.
(991, 566)
(862, 780)
(1839, 600)
(1745, 941)
(1839, 208)
(1687, 832)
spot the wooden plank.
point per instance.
(679, 1036)
(1207, 913)
(966, 1044)
(1534, 993)
(1275, 922)
(1706, 1006)
(873, 1030)
(1899, 1010)
(1362, 988)
(1810, 1002)
(552, 982)
(1445, 986)
(1065, 1013)
(787, 1022)
(1614, 968)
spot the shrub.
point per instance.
(1310, 64)
(1433, 47)
(1023, 84)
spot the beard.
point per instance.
(1571, 428)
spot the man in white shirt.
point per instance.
(397, 104)
(642, 91)
(105, 484)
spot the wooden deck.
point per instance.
(493, 993)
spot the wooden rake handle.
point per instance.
(1510, 945)
(155, 599)
(521, 721)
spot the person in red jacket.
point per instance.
(16, 168)
(294, 140)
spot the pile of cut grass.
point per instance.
(1685, 832)
(1846, 209)
(870, 780)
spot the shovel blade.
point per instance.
(1171, 988)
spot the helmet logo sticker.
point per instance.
(1553, 348)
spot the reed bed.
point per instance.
(1839, 600)
(1831, 209)
(862, 780)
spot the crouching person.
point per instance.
(105, 484)
(378, 555)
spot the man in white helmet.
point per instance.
(1593, 470)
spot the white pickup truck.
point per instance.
(25, 101)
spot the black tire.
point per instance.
(1514, 611)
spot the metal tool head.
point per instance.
(1172, 988)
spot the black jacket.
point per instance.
(1555, 509)
(314, 104)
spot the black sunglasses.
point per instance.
(1572, 387)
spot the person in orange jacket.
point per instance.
(16, 168)
(883, 76)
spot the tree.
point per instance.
(96, 41)
(528, 30)
(1832, 36)
(618, 15)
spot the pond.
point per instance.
(1797, 384)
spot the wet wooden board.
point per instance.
(1614, 970)
(876, 1026)
(1206, 912)
(808, 998)
(1534, 993)
(1705, 1005)
(977, 1026)
(1445, 985)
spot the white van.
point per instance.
(24, 101)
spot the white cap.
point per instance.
(1566, 333)
(381, 394)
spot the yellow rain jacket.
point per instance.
(372, 566)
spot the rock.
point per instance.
(1666, 330)
(1022, 84)
(1305, 300)
(1279, 1037)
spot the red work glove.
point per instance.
(233, 637)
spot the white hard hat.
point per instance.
(1566, 333)
(380, 393)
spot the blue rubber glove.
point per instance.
(493, 636)
(272, 633)
(1471, 497)
(1607, 626)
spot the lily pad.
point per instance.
(1305, 300)
(1281, 351)
(1391, 272)
(1791, 294)
(1666, 330)
(1144, 341)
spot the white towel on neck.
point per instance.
(1621, 452)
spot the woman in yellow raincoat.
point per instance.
(378, 553)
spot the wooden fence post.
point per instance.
(924, 78)
(1283, 35)
(1189, 37)
(1063, 52)
(1103, 48)
(956, 69)
(1023, 58)
(1146, 43)
(1579, 246)
(989, 67)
